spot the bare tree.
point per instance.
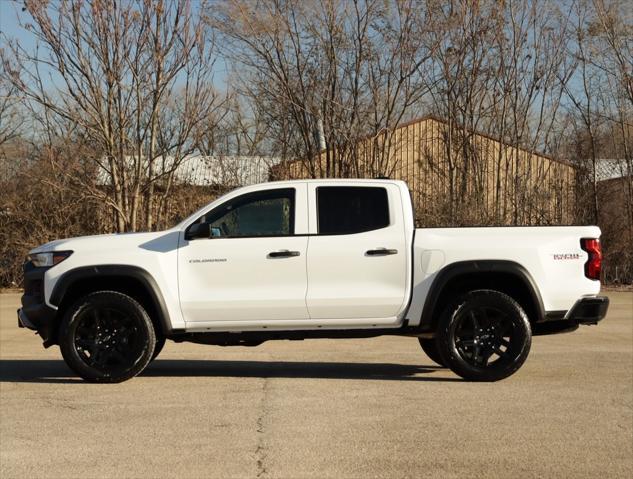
(133, 78)
(583, 99)
(11, 118)
(351, 69)
(612, 30)
(499, 70)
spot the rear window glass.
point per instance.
(351, 209)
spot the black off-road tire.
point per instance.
(477, 323)
(158, 347)
(429, 346)
(107, 336)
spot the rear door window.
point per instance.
(351, 209)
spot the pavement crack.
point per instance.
(260, 450)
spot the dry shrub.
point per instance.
(617, 234)
(37, 206)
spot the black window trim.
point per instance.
(263, 194)
(316, 194)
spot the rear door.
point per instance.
(357, 253)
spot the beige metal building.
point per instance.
(456, 177)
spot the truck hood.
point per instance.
(160, 239)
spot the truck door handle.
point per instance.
(380, 252)
(283, 254)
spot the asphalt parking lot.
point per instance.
(322, 408)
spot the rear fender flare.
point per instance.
(485, 267)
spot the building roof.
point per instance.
(478, 133)
(611, 168)
(212, 170)
(226, 170)
(475, 132)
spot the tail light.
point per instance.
(593, 265)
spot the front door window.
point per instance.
(266, 213)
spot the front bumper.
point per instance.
(23, 321)
(40, 318)
(35, 314)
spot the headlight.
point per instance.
(48, 259)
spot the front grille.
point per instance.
(33, 287)
(33, 281)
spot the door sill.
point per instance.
(293, 324)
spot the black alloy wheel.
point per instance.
(484, 336)
(107, 337)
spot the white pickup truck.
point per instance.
(312, 259)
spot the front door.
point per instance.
(254, 265)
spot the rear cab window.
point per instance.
(345, 210)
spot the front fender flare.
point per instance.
(71, 277)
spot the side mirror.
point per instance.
(198, 230)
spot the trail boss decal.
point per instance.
(564, 256)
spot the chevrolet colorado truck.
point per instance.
(312, 259)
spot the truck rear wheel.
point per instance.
(107, 337)
(158, 347)
(429, 346)
(484, 336)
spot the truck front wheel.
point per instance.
(107, 336)
(429, 346)
(484, 336)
